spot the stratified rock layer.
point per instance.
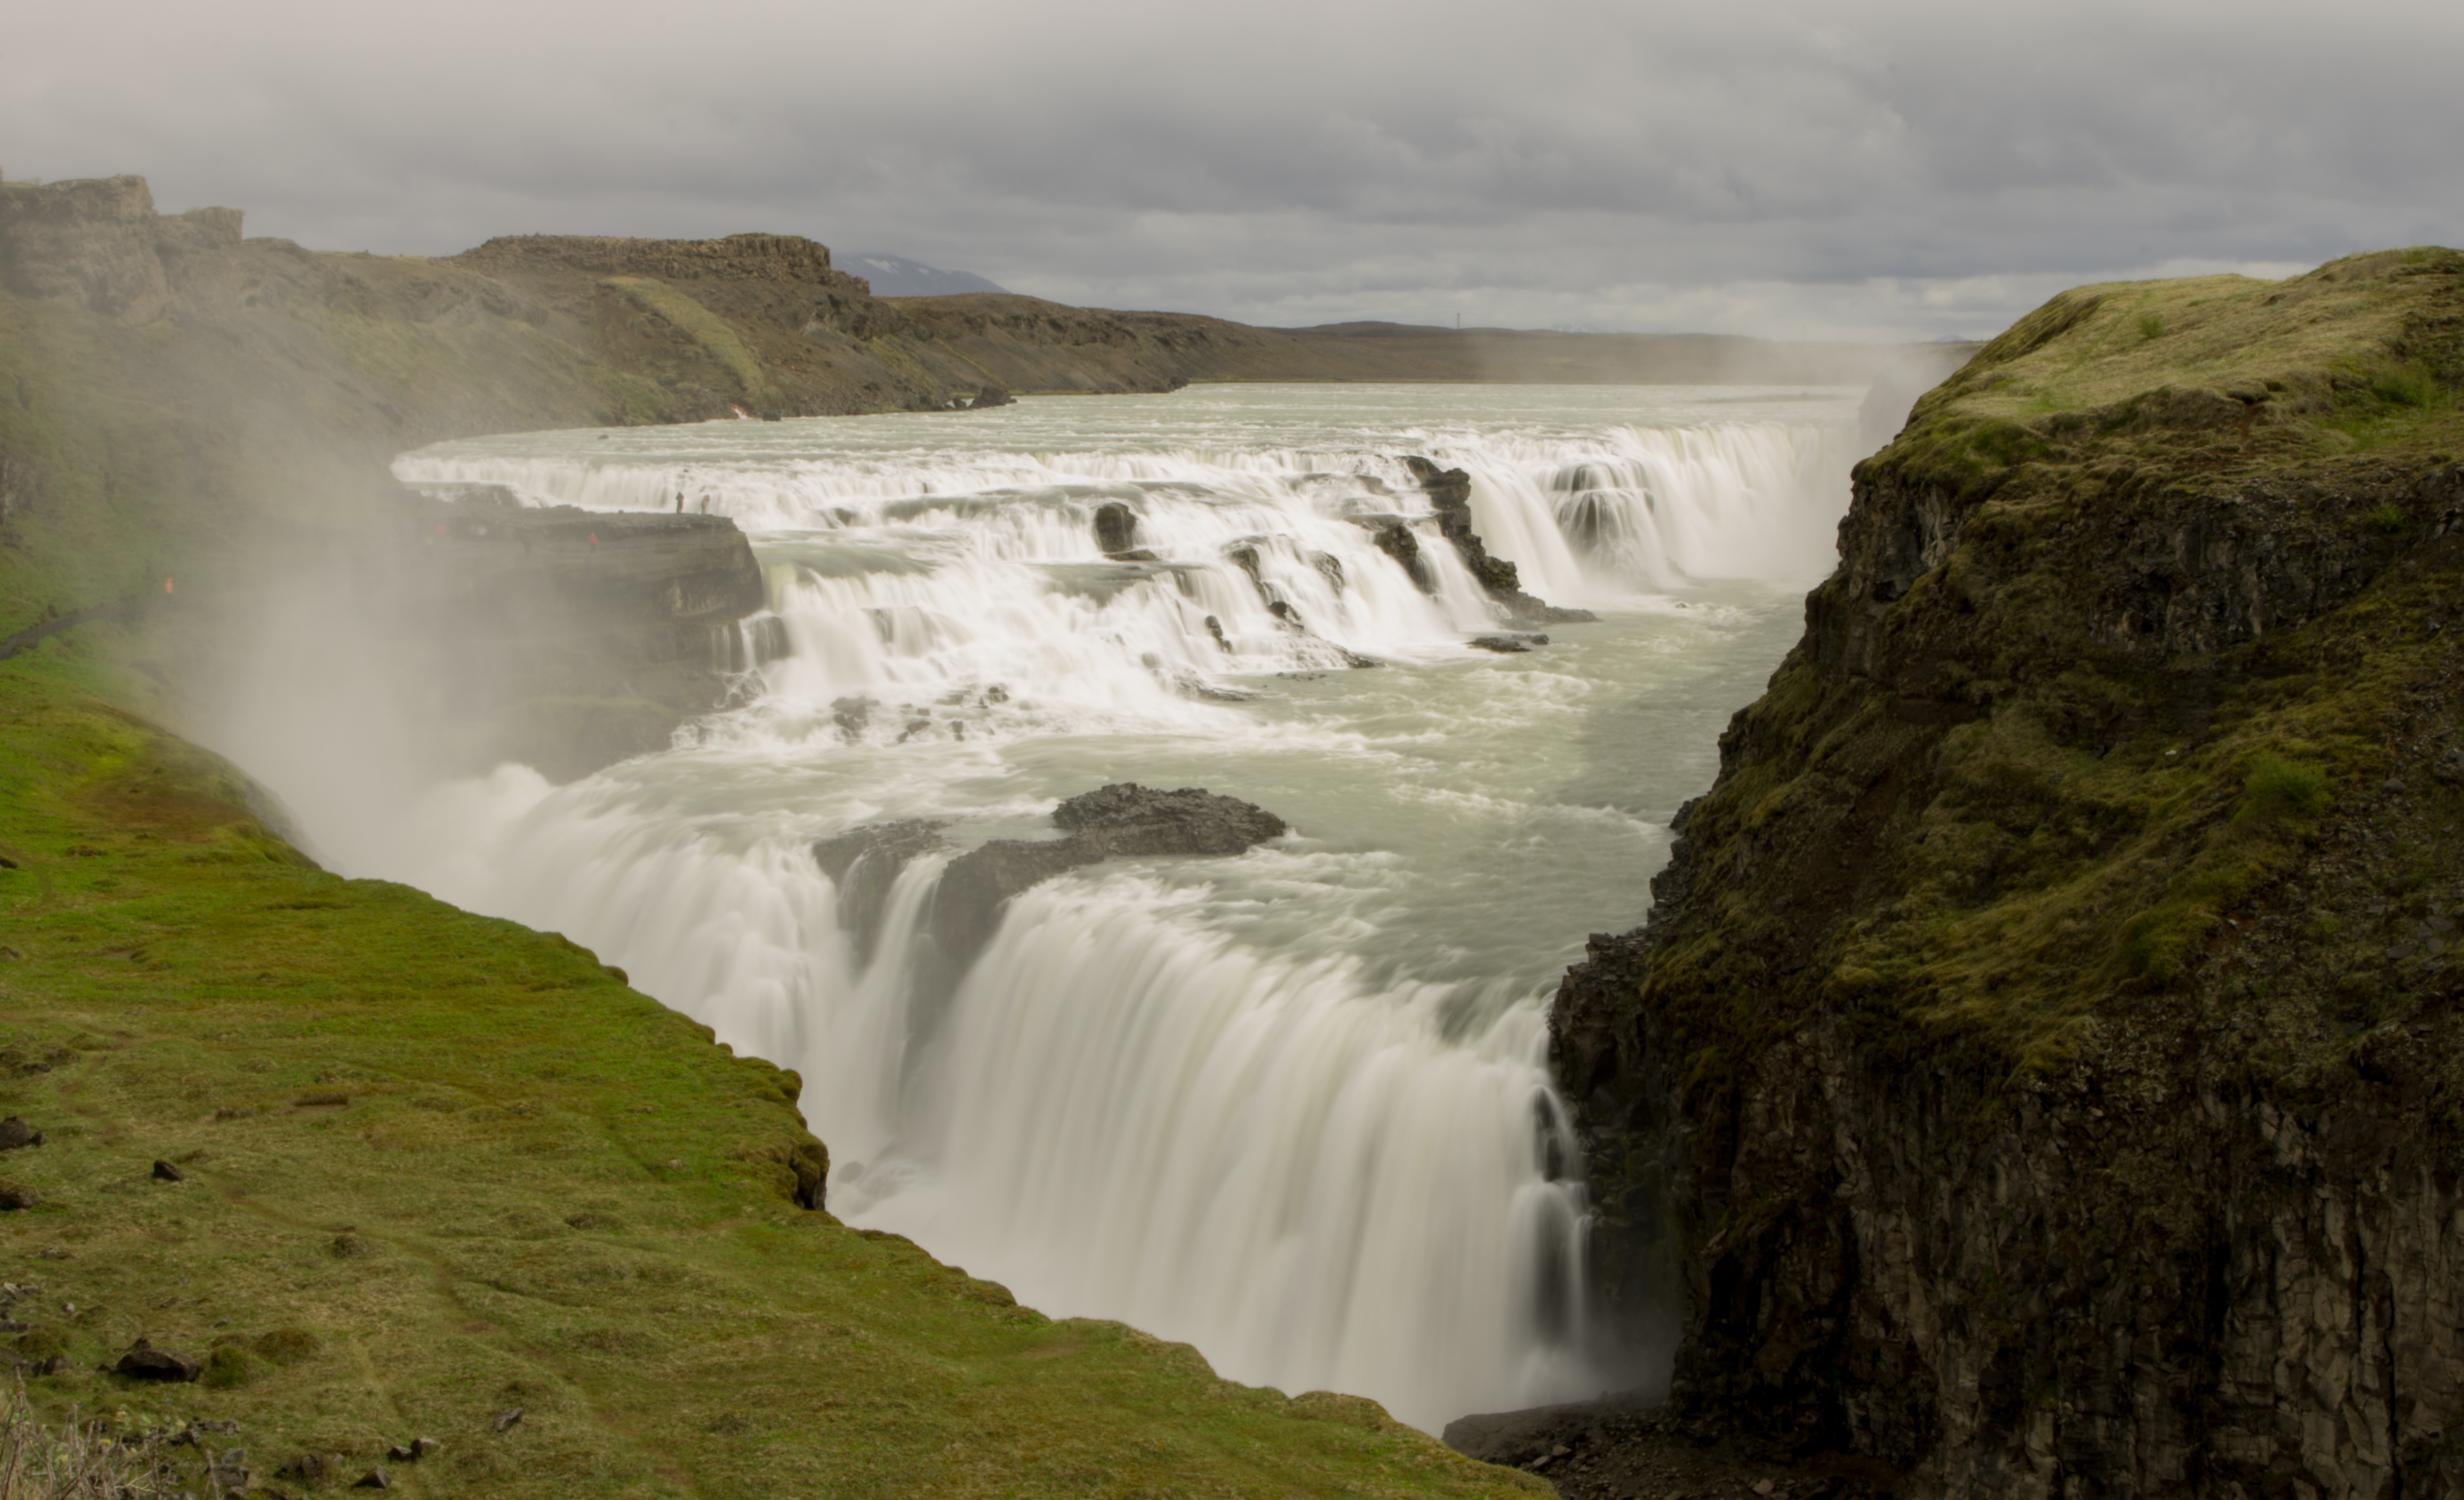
(562, 638)
(2040, 1071)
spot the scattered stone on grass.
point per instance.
(373, 1479)
(166, 1172)
(508, 1416)
(349, 1246)
(15, 1132)
(14, 1195)
(144, 1362)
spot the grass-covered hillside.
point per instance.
(2146, 598)
(434, 1167)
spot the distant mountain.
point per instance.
(896, 276)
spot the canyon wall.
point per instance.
(2040, 1069)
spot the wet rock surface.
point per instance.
(865, 863)
(1125, 818)
(1619, 1448)
(1395, 537)
(1122, 820)
(1116, 528)
(1450, 491)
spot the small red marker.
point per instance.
(594, 539)
(167, 585)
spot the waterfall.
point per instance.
(1291, 1107)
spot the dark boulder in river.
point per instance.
(1116, 528)
(1125, 818)
(1120, 821)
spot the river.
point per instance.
(1289, 1107)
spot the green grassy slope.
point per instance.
(2087, 777)
(2145, 602)
(437, 1166)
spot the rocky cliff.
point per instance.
(2040, 1071)
(561, 638)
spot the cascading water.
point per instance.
(1290, 1105)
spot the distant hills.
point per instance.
(896, 276)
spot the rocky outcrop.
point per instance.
(92, 243)
(1626, 1447)
(569, 639)
(1116, 528)
(1120, 821)
(1395, 537)
(1450, 491)
(2039, 1068)
(864, 861)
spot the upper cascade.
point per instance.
(985, 591)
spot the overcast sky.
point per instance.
(1890, 170)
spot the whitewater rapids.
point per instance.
(1291, 1107)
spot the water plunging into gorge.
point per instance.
(1289, 1106)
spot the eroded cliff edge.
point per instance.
(2040, 1069)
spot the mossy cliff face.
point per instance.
(2040, 1069)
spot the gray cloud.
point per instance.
(1778, 169)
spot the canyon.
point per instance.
(2036, 1068)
